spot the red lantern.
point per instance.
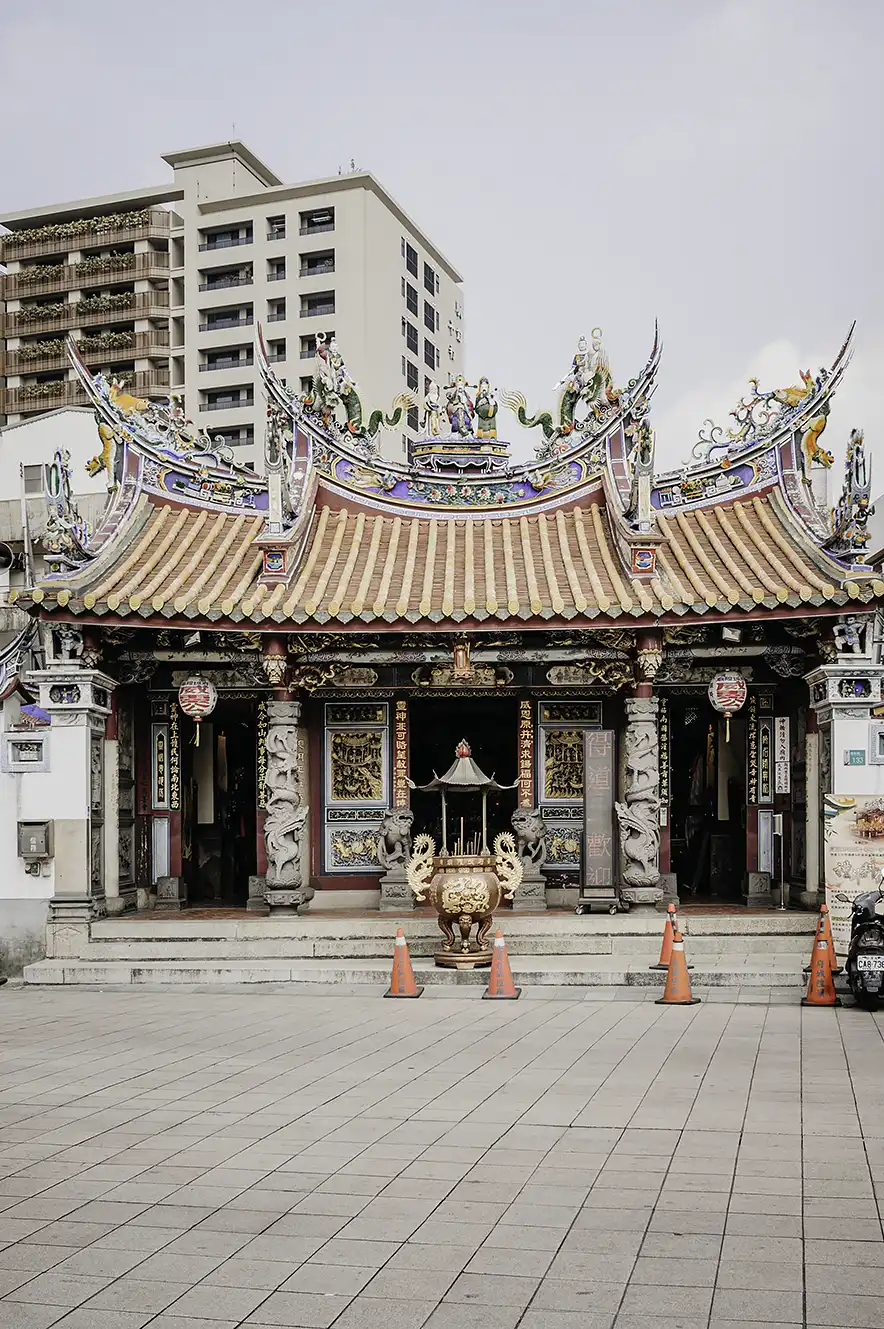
(728, 693)
(197, 698)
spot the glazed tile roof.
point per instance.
(178, 562)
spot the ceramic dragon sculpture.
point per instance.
(508, 864)
(421, 866)
(333, 387)
(588, 381)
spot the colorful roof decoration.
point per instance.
(460, 534)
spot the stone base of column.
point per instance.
(531, 893)
(171, 895)
(145, 899)
(396, 894)
(67, 929)
(757, 890)
(669, 887)
(283, 900)
(257, 901)
(124, 903)
(812, 899)
(642, 899)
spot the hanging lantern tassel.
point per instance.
(727, 728)
(196, 733)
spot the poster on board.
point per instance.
(854, 845)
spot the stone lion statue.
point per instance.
(394, 838)
(530, 830)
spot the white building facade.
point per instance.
(166, 287)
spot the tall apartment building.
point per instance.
(164, 286)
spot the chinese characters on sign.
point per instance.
(598, 840)
(526, 755)
(400, 755)
(782, 756)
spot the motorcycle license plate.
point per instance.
(874, 963)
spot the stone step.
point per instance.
(578, 942)
(745, 969)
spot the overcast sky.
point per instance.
(713, 165)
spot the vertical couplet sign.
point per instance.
(598, 807)
(782, 756)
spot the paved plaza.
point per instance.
(196, 1160)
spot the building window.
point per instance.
(276, 351)
(411, 375)
(429, 279)
(411, 259)
(314, 265)
(306, 385)
(276, 228)
(227, 318)
(308, 343)
(409, 332)
(33, 479)
(429, 354)
(412, 418)
(235, 438)
(319, 219)
(319, 305)
(236, 235)
(275, 311)
(411, 298)
(437, 320)
(276, 269)
(224, 277)
(429, 316)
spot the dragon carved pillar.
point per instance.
(286, 812)
(639, 814)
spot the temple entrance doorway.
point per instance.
(708, 801)
(219, 806)
(491, 727)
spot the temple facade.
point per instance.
(236, 691)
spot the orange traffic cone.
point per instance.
(678, 984)
(821, 986)
(824, 929)
(402, 983)
(500, 985)
(669, 930)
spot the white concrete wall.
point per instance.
(23, 898)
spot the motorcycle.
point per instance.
(865, 956)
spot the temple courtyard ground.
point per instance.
(191, 1159)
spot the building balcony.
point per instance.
(31, 397)
(318, 311)
(224, 283)
(316, 230)
(86, 233)
(153, 266)
(276, 276)
(227, 364)
(317, 269)
(94, 350)
(228, 404)
(60, 316)
(227, 242)
(223, 325)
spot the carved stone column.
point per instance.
(639, 814)
(286, 812)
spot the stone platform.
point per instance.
(732, 949)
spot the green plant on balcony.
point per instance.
(79, 226)
(104, 263)
(36, 350)
(40, 272)
(37, 313)
(106, 341)
(105, 304)
(37, 391)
